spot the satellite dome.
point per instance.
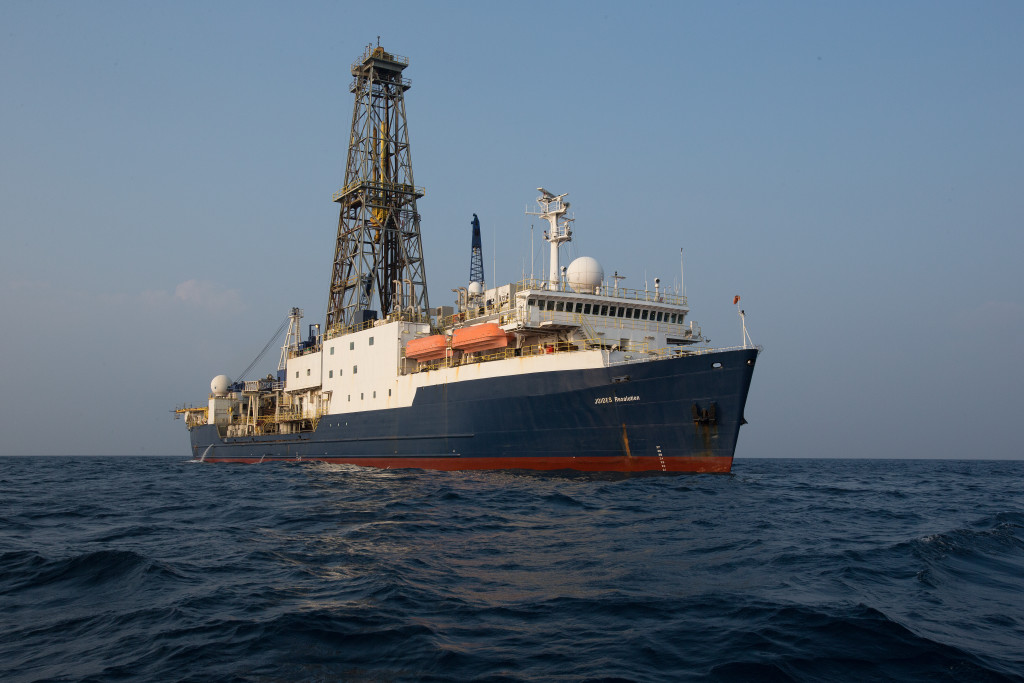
(219, 385)
(476, 288)
(585, 275)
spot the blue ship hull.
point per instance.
(681, 413)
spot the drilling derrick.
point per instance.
(378, 258)
(476, 257)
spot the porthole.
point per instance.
(717, 365)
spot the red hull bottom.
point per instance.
(718, 464)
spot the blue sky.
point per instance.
(855, 171)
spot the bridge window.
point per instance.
(643, 314)
(586, 309)
(604, 310)
(560, 306)
(551, 305)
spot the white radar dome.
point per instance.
(219, 385)
(475, 288)
(585, 275)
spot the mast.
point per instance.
(378, 260)
(559, 230)
(476, 257)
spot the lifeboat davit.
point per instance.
(427, 348)
(479, 338)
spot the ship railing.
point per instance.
(379, 188)
(269, 423)
(353, 85)
(606, 291)
(635, 356)
(379, 53)
(503, 314)
(339, 329)
(194, 415)
(593, 325)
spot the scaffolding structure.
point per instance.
(378, 262)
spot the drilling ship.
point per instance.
(567, 372)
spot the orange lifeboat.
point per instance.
(426, 348)
(479, 338)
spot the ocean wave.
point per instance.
(144, 569)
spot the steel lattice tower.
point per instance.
(378, 259)
(476, 258)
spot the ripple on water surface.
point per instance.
(157, 569)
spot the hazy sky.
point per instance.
(855, 171)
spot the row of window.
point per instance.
(330, 373)
(606, 310)
(362, 395)
(352, 346)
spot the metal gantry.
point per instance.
(476, 256)
(378, 260)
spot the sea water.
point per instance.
(161, 569)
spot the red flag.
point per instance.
(736, 299)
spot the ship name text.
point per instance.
(615, 399)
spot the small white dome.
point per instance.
(585, 275)
(219, 385)
(476, 288)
